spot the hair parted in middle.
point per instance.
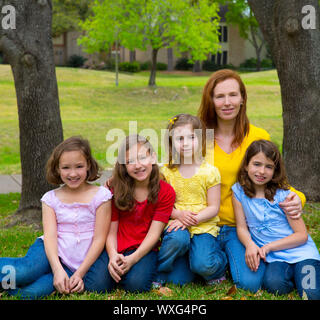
(179, 120)
(123, 184)
(279, 179)
(207, 111)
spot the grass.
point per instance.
(15, 242)
(91, 105)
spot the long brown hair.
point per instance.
(178, 121)
(75, 143)
(207, 111)
(123, 184)
(279, 179)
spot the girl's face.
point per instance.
(185, 142)
(73, 168)
(227, 99)
(139, 163)
(260, 169)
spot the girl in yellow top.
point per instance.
(223, 108)
(194, 217)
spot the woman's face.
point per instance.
(227, 99)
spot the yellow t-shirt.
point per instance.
(191, 194)
(229, 165)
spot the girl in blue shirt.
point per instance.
(279, 245)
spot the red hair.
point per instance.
(207, 111)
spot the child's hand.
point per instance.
(188, 218)
(128, 262)
(252, 257)
(176, 225)
(114, 266)
(76, 283)
(61, 281)
(264, 251)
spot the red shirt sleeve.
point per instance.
(164, 206)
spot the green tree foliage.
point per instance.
(67, 14)
(240, 14)
(142, 24)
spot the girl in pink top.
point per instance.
(70, 256)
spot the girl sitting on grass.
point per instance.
(141, 207)
(274, 242)
(70, 257)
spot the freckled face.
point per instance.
(227, 99)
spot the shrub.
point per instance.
(267, 63)
(211, 66)
(129, 66)
(162, 66)
(145, 65)
(76, 61)
(183, 64)
(249, 63)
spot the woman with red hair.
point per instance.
(223, 108)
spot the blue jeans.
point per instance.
(241, 274)
(282, 278)
(34, 278)
(182, 258)
(227, 241)
(140, 277)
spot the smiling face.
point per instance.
(139, 163)
(73, 168)
(260, 169)
(185, 142)
(227, 99)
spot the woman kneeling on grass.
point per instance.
(223, 108)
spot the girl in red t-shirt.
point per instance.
(141, 208)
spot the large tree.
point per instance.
(183, 25)
(292, 31)
(28, 49)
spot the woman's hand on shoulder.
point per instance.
(108, 182)
(292, 206)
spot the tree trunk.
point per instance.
(152, 79)
(30, 53)
(197, 66)
(170, 59)
(296, 53)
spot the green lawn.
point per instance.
(91, 105)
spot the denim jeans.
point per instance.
(173, 260)
(282, 278)
(140, 277)
(34, 278)
(182, 258)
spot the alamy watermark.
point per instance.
(9, 279)
(309, 20)
(160, 144)
(8, 17)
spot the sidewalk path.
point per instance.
(12, 183)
